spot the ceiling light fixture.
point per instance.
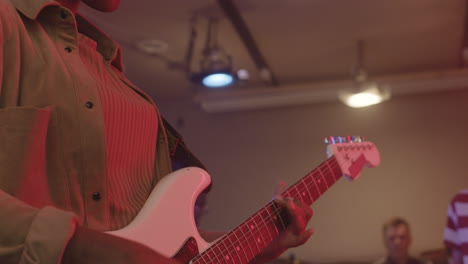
(153, 46)
(364, 92)
(216, 64)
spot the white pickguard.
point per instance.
(166, 220)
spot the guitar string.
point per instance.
(261, 228)
(264, 228)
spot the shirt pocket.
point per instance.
(23, 136)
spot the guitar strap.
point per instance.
(180, 154)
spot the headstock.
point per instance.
(352, 154)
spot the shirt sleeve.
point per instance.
(451, 239)
(29, 235)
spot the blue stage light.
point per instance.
(216, 80)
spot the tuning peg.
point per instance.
(330, 140)
(355, 139)
(359, 139)
(334, 140)
(344, 139)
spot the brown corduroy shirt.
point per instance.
(52, 134)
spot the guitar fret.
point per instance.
(203, 258)
(206, 255)
(315, 193)
(310, 199)
(235, 248)
(317, 183)
(222, 250)
(254, 229)
(319, 169)
(326, 175)
(247, 239)
(226, 253)
(239, 247)
(252, 254)
(274, 218)
(263, 214)
(298, 193)
(211, 255)
(305, 194)
(258, 229)
(278, 214)
(216, 253)
(337, 169)
(322, 186)
(332, 172)
(251, 237)
(270, 222)
(331, 164)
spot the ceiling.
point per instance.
(304, 42)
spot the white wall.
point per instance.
(423, 143)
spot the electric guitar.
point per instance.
(166, 223)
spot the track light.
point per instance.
(215, 64)
(364, 92)
(216, 67)
(216, 80)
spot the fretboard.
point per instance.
(247, 240)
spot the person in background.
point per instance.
(397, 240)
(456, 230)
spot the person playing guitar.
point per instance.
(81, 147)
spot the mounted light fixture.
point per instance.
(216, 64)
(216, 67)
(364, 92)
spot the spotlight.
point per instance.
(215, 64)
(216, 68)
(216, 80)
(366, 94)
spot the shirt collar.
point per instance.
(109, 49)
(32, 8)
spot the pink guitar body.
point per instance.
(170, 208)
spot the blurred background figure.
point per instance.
(456, 231)
(397, 240)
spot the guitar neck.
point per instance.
(243, 243)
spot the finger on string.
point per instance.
(284, 201)
(307, 210)
(280, 188)
(298, 217)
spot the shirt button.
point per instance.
(89, 105)
(96, 196)
(68, 49)
(64, 14)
